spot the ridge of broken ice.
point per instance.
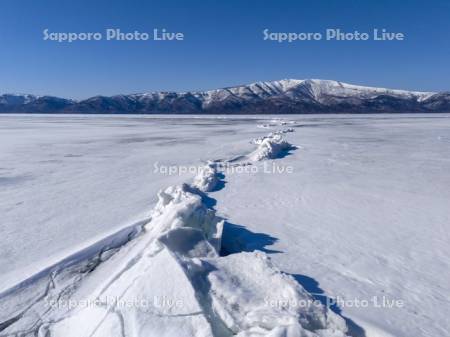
(175, 279)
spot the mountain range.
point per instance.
(275, 97)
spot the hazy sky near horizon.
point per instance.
(223, 45)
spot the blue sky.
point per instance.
(223, 45)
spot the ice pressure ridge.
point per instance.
(166, 278)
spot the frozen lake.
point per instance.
(364, 212)
(66, 181)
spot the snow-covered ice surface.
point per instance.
(278, 221)
(68, 181)
(365, 213)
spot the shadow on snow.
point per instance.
(312, 286)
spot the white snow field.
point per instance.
(313, 226)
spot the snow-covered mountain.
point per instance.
(34, 104)
(275, 97)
